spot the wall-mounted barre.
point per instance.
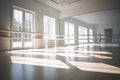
(60, 37)
(22, 32)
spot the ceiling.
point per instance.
(65, 2)
(62, 5)
(101, 17)
(90, 11)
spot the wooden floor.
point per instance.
(84, 62)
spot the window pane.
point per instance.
(17, 38)
(83, 34)
(28, 28)
(17, 26)
(90, 35)
(69, 33)
(17, 20)
(28, 22)
(27, 40)
(49, 27)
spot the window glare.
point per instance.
(83, 34)
(69, 33)
(49, 27)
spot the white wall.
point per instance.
(102, 27)
(76, 23)
(115, 26)
(40, 9)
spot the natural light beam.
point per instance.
(95, 52)
(88, 52)
(96, 67)
(33, 53)
(78, 51)
(39, 62)
(73, 55)
(101, 56)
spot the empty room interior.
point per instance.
(59, 39)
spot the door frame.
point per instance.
(108, 35)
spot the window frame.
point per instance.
(24, 11)
(67, 38)
(49, 33)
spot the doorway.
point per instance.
(108, 35)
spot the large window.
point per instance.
(69, 33)
(23, 21)
(49, 27)
(83, 34)
(91, 35)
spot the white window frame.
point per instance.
(49, 28)
(33, 27)
(68, 37)
(83, 37)
(91, 37)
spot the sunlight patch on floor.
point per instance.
(101, 56)
(95, 52)
(39, 62)
(73, 55)
(32, 53)
(96, 67)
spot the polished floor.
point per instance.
(83, 62)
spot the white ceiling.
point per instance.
(62, 5)
(101, 17)
(65, 2)
(93, 11)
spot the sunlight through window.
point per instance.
(96, 67)
(39, 62)
(101, 56)
(73, 55)
(33, 53)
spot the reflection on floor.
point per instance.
(83, 62)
